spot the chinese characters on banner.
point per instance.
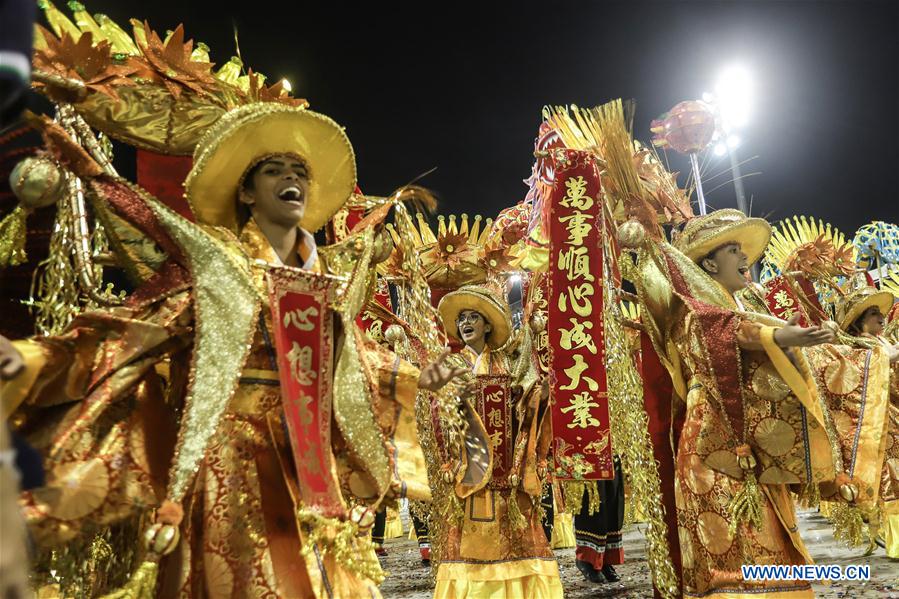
(368, 320)
(494, 406)
(782, 298)
(580, 407)
(304, 339)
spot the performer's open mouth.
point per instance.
(743, 270)
(292, 195)
(467, 331)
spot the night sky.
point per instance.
(460, 86)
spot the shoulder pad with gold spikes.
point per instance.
(458, 253)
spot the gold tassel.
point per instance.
(141, 585)
(330, 535)
(848, 524)
(810, 496)
(516, 518)
(592, 497)
(746, 505)
(12, 238)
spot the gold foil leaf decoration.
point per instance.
(81, 60)
(172, 61)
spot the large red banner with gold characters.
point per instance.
(304, 339)
(580, 405)
(494, 406)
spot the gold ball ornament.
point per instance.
(394, 334)
(383, 247)
(849, 492)
(746, 462)
(631, 234)
(161, 539)
(538, 322)
(36, 182)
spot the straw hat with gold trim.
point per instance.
(703, 235)
(251, 133)
(854, 304)
(482, 300)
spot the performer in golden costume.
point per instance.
(743, 439)
(168, 410)
(499, 548)
(861, 315)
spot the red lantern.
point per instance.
(687, 128)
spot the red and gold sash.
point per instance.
(582, 448)
(304, 337)
(494, 406)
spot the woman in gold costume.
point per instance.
(746, 390)
(861, 315)
(167, 412)
(499, 548)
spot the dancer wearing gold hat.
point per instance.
(174, 400)
(741, 442)
(861, 314)
(499, 548)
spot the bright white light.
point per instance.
(515, 279)
(733, 141)
(720, 150)
(734, 94)
(286, 85)
(708, 97)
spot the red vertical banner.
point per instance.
(494, 406)
(304, 339)
(537, 305)
(582, 448)
(368, 320)
(786, 297)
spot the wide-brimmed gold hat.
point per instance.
(253, 132)
(704, 234)
(482, 300)
(854, 304)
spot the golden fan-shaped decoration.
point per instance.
(810, 246)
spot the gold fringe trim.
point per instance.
(12, 238)
(141, 585)
(353, 552)
(574, 496)
(746, 505)
(849, 525)
(516, 518)
(631, 440)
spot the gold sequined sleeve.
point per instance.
(93, 403)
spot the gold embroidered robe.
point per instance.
(487, 555)
(102, 400)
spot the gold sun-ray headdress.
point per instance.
(810, 246)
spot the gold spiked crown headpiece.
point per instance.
(462, 251)
(810, 246)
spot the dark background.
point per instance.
(459, 86)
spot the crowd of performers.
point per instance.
(230, 396)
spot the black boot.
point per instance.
(609, 572)
(589, 572)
